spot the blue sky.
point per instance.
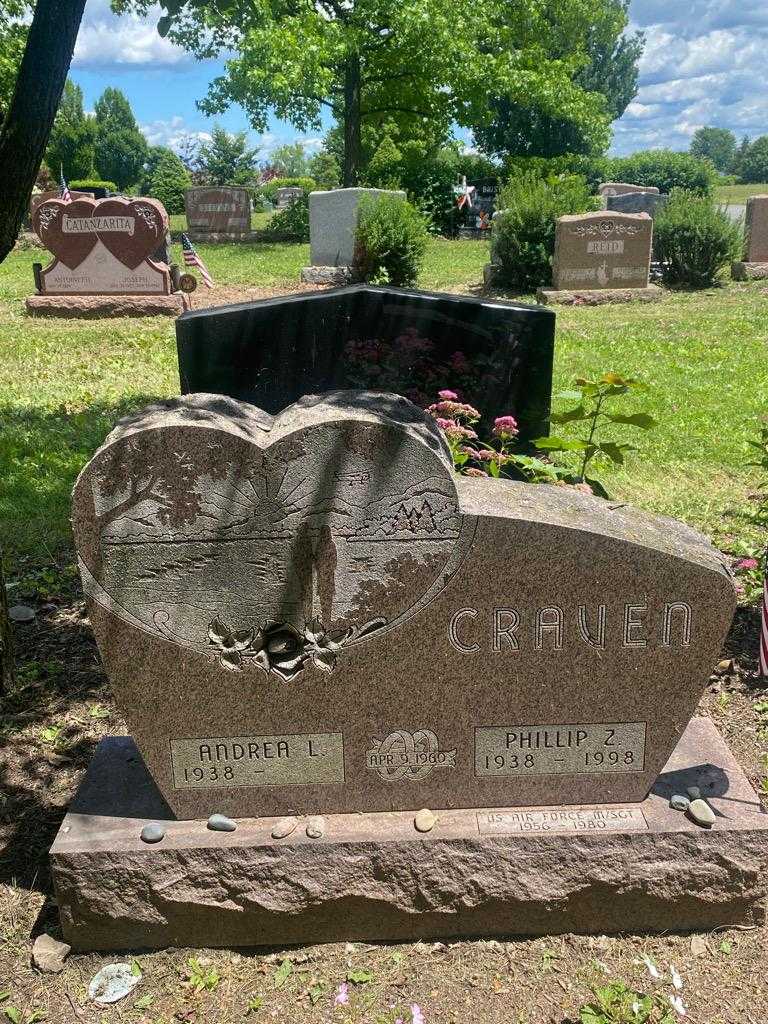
(703, 64)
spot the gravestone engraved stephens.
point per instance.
(312, 613)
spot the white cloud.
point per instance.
(700, 67)
(105, 40)
(171, 133)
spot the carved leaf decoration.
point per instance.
(218, 633)
(325, 660)
(261, 661)
(366, 629)
(314, 631)
(231, 660)
(242, 639)
(289, 669)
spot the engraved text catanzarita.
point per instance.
(296, 760)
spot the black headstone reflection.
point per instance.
(498, 357)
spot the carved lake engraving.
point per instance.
(559, 749)
(217, 762)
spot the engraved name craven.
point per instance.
(631, 626)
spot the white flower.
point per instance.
(652, 968)
(677, 981)
(677, 1004)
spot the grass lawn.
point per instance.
(63, 383)
(739, 193)
(702, 355)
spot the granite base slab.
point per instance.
(327, 275)
(749, 271)
(598, 296)
(640, 867)
(95, 307)
(222, 237)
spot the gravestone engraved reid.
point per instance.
(312, 613)
(603, 250)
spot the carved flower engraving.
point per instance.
(280, 648)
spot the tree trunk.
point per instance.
(39, 85)
(352, 121)
(6, 638)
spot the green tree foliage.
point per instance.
(166, 178)
(385, 168)
(718, 145)
(13, 36)
(121, 149)
(325, 169)
(523, 236)
(366, 60)
(226, 159)
(753, 164)
(664, 168)
(72, 144)
(532, 128)
(290, 160)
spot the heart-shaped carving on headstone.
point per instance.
(66, 229)
(131, 228)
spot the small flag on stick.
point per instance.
(64, 192)
(764, 625)
(191, 259)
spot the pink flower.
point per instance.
(342, 995)
(505, 426)
(416, 1015)
(475, 472)
(448, 396)
(471, 452)
(445, 424)
(458, 433)
(748, 563)
(487, 455)
(458, 410)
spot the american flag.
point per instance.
(764, 625)
(64, 192)
(463, 193)
(191, 259)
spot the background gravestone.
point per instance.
(41, 197)
(258, 588)
(272, 352)
(622, 188)
(332, 224)
(755, 263)
(214, 211)
(636, 202)
(284, 197)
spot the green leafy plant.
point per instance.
(665, 169)
(694, 240)
(495, 457)
(201, 977)
(390, 241)
(269, 188)
(591, 396)
(283, 973)
(761, 462)
(523, 234)
(89, 184)
(292, 223)
(616, 1003)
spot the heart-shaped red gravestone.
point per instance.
(130, 228)
(66, 229)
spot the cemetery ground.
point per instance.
(63, 384)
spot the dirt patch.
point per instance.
(203, 298)
(49, 727)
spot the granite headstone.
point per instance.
(756, 224)
(602, 250)
(314, 614)
(102, 246)
(622, 188)
(284, 197)
(333, 221)
(272, 352)
(636, 202)
(218, 210)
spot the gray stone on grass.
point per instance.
(113, 983)
(48, 954)
(21, 613)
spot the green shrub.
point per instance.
(593, 168)
(694, 240)
(89, 184)
(523, 235)
(390, 241)
(664, 168)
(269, 189)
(168, 182)
(753, 162)
(290, 224)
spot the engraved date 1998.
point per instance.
(560, 749)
